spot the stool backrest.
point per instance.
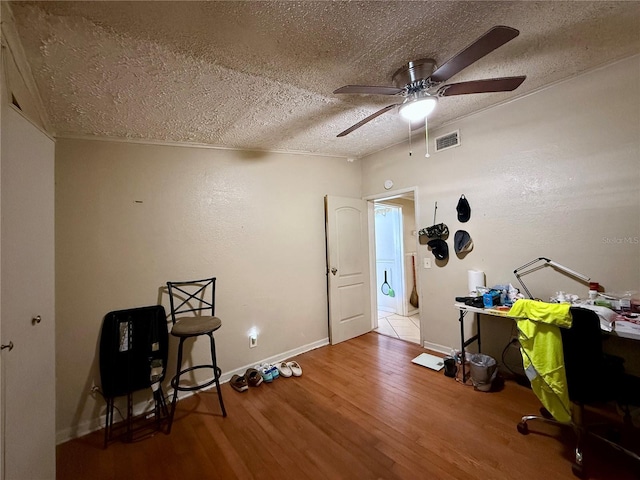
(196, 297)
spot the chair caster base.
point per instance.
(578, 470)
(523, 428)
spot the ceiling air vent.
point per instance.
(448, 140)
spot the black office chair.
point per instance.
(592, 378)
(193, 314)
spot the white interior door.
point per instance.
(27, 310)
(347, 268)
(389, 253)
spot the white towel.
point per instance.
(606, 315)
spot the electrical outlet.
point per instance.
(427, 263)
(253, 341)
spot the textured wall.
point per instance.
(130, 217)
(554, 174)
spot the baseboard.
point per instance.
(437, 348)
(276, 358)
(94, 424)
(386, 309)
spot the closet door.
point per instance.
(27, 299)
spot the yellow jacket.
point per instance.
(541, 348)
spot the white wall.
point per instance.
(553, 174)
(410, 242)
(130, 217)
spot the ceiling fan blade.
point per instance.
(487, 43)
(505, 84)
(366, 120)
(369, 90)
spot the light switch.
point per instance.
(427, 263)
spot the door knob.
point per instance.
(334, 270)
(9, 346)
(36, 320)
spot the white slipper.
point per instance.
(296, 369)
(284, 369)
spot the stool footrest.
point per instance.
(216, 377)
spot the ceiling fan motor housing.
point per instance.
(414, 73)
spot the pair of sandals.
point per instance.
(241, 383)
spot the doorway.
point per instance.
(394, 225)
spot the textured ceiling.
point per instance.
(260, 74)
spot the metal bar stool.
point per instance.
(192, 298)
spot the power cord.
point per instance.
(95, 389)
(164, 399)
(513, 341)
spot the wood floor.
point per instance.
(361, 410)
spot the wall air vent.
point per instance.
(449, 140)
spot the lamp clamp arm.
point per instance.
(528, 268)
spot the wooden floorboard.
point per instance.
(361, 410)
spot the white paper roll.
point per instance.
(475, 279)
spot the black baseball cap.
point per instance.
(439, 248)
(464, 210)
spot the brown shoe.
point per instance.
(253, 377)
(239, 383)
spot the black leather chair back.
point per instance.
(589, 374)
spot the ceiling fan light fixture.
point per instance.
(419, 107)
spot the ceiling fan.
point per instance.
(420, 82)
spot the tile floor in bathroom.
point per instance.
(393, 325)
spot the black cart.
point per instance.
(134, 346)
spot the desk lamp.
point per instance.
(529, 267)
